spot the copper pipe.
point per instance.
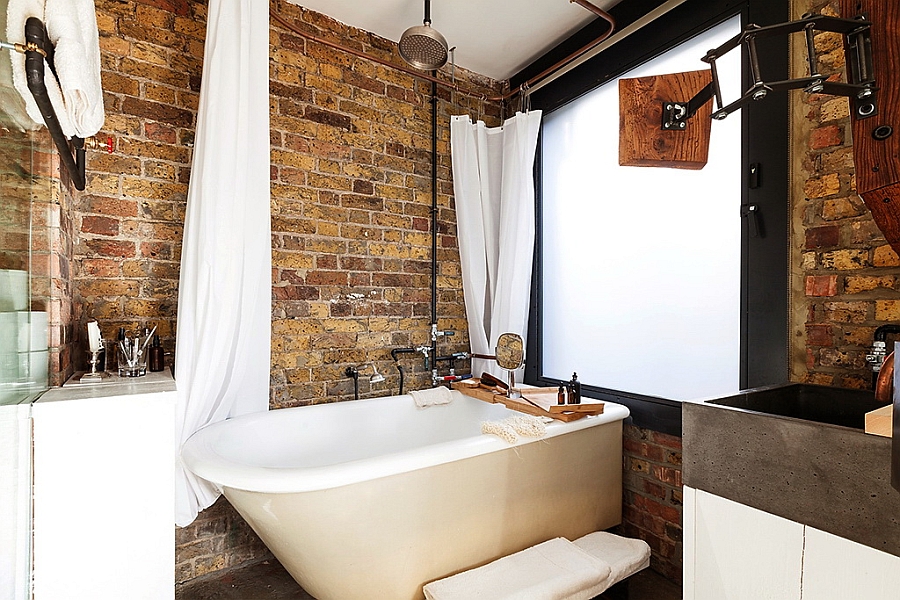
(884, 385)
(503, 97)
(599, 12)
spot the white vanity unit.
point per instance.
(787, 498)
(103, 492)
(735, 552)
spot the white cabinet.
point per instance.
(103, 518)
(835, 568)
(735, 552)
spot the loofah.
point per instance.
(501, 429)
(528, 425)
(510, 429)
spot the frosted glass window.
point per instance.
(641, 266)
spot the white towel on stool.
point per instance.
(554, 570)
(72, 27)
(430, 397)
(625, 556)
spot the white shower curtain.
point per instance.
(224, 296)
(493, 182)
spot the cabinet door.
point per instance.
(104, 498)
(835, 568)
(739, 553)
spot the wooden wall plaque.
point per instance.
(643, 142)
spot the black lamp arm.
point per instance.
(860, 84)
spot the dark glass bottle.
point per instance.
(155, 360)
(574, 390)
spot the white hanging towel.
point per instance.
(72, 27)
(77, 97)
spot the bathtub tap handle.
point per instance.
(435, 334)
(426, 352)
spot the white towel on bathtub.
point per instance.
(556, 569)
(430, 397)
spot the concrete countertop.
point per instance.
(836, 479)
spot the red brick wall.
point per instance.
(351, 211)
(845, 277)
(652, 496)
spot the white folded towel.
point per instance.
(625, 556)
(430, 397)
(77, 97)
(72, 27)
(577, 570)
(556, 569)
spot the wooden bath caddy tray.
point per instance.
(545, 398)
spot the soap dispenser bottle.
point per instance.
(574, 390)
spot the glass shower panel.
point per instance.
(25, 196)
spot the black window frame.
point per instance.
(764, 338)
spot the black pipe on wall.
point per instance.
(434, 212)
(36, 35)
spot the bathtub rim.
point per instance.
(199, 454)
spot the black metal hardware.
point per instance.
(755, 177)
(38, 49)
(860, 84)
(676, 114)
(752, 211)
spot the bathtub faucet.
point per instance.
(395, 354)
(353, 373)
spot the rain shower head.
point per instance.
(422, 46)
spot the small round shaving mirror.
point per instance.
(510, 354)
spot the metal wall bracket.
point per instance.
(860, 85)
(38, 48)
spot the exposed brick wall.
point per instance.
(846, 278)
(351, 211)
(652, 496)
(218, 539)
(129, 219)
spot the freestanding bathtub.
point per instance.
(371, 499)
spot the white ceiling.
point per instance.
(496, 38)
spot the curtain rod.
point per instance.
(577, 58)
(581, 57)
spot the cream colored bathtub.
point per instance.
(371, 499)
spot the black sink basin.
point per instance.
(819, 403)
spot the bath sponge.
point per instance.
(510, 429)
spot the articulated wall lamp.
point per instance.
(860, 85)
